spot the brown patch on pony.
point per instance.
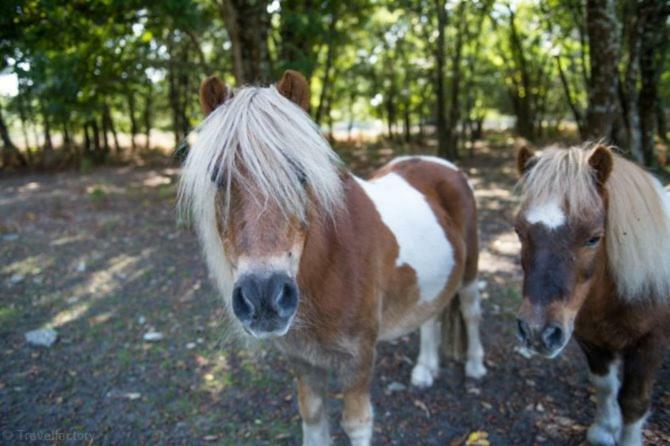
(602, 162)
(295, 87)
(524, 158)
(213, 93)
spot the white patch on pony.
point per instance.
(606, 428)
(316, 434)
(632, 433)
(422, 242)
(360, 433)
(428, 363)
(428, 158)
(548, 214)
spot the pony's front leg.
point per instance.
(604, 369)
(357, 416)
(311, 401)
(640, 363)
(428, 363)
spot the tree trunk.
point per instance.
(652, 60)
(455, 106)
(330, 56)
(577, 115)
(97, 149)
(48, 144)
(107, 114)
(105, 130)
(443, 148)
(148, 103)
(9, 151)
(133, 121)
(634, 19)
(248, 24)
(603, 32)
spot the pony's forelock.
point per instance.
(262, 142)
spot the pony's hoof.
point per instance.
(422, 376)
(601, 436)
(475, 369)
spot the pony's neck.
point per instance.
(335, 267)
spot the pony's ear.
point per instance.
(294, 86)
(212, 94)
(525, 159)
(601, 161)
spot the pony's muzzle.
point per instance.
(547, 340)
(265, 303)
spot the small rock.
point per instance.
(190, 345)
(395, 387)
(132, 396)
(81, 267)
(71, 300)
(141, 320)
(16, 278)
(200, 340)
(153, 336)
(481, 285)
(10, 237)
(44, 337)
(539, 407)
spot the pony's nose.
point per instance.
(552, 337)
(264, 296)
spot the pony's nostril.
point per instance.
(286, 299)
(523, 331)
(552, 336)
(242, 307)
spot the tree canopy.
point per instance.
(90, 73)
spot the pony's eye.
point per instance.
(593, 241)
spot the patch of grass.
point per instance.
(510, 294)
(7, 314)
(97, 193)
(167, 191)
(125, 358)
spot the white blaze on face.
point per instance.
(422, 243)
(548, 214)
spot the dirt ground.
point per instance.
(101, 257)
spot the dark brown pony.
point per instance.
(595, 236)
(324, 264)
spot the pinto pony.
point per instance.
(324, 264)
(595, 237)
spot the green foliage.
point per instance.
(88, 71)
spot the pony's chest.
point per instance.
(422, 240)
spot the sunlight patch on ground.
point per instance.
(156, 180)
(68, 315)
(506, 244)
(29, 265)
(32, 186)
(69, 239)
(495, 264)
(120, 268)
(494, 192)
(101, 283)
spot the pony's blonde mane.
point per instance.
(638, 217)
(266, 144)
